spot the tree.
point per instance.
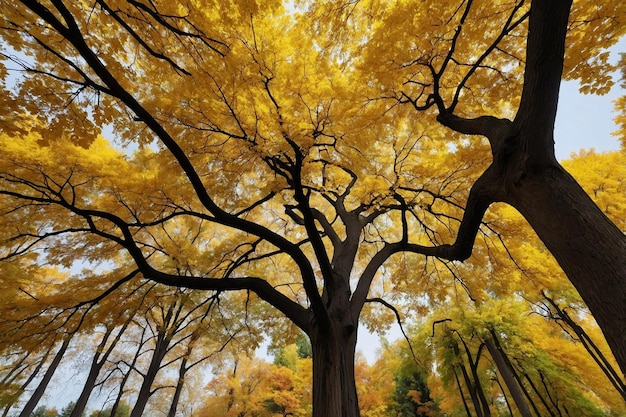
(524, 172)
(411, 396)
(259, 166)
(122, 411)
(517, 359)
(68, 410)
(43, 411)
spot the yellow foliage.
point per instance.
(258, 139)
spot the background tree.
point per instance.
(411, 396)
(122, 411)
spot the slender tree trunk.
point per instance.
(33, 374)
(506, 398)
(508, 377)
(100, 357)
(145, 392)
(126, 376)
(334, 386)
(554, 401)
(539, 395)
(473, 363)
(182, 370)
(43, 384)
(460, 387)
(593, 349)
(94, 371)
(473, 383)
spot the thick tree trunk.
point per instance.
(334, 386)
(586, 244)
(524, 173)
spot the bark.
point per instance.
(586, 244)
(100, 357)
(507, 375)
(334, 386)
(539, 395)
(477, 384)
(553, 400)
(43, 384)
(460, 387)
(42, 360)
(182, 370)
(506, 398)
(145, 391)
(126, 376)
(473, 383)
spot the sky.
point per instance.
(586, 121)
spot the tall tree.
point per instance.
(524, 171)
(269, 162)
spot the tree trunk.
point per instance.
(43, 384)
(593, 349)
(145, 392)
(15, 397)
(586, 244)
(539, 395)
(126, 376)
(507, 375)
(334, 386)
(506, 398)
(182, 370)
(100, 357)
(524, 173)
(473, 384)
(96, 365)
(460, 387)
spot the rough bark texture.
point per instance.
(587, 245)
(334, 387)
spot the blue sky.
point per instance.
(586, 121)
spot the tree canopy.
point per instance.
(309, 156)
